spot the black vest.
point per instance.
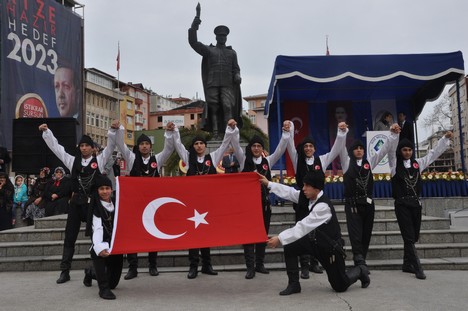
(207, 167)
(406, 182)
(331, 229)
(303, 169)
(264, 169)
(148, 170)
(83, 176)
(358, 180)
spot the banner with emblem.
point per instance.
(173, 213)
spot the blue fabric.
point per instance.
(409, 79)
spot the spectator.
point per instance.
(35, 207)
(4, 158)
(6, 201)
(20, 198)
(57, 193)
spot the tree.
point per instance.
(441, 115)
(186, 136)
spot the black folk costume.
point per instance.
(107, 269)
(406, 188)
(144, 167)
(302, 165)
(358, 193)
(326, 245)
(255, 253)
(7, 192)
(63, 189)
(83, 173)
(201, 166)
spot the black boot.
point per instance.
(418, 270)
(131, 274)
(407, 266)
(260, 258)
(359, 273)
(359, 260)
(314, 266)
(208, 269)
(193, 272)
(64, 277)
(294, 286)
(106, 293)
(88, 278)
(304, 259)
(153, 263)
(249, 261)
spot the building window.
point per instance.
(253, 118)
(159, 118)
(192, 116)
(129, 120)
(129, 105)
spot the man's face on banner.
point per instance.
(65, 92)
(340, 114)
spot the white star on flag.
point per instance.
(198, 218)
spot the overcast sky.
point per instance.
(155, 51)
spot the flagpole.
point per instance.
(118, 76)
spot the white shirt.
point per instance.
(321, 214)
(98, 230)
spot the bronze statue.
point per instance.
(221, 78)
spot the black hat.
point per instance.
(354, 145)
(308, 140)
(143, 138)
(405, 142)
(315, 179)
(256, 140)
(102, 180)
(85, 139)
(221, 30)
(198, 138)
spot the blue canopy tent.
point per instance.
(359, 80)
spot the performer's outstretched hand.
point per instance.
(449, 134)
(342, 126)
(286, 125)
(232, 123)
(170, 126)
(395, 128)
(43, 127)
(273, 242)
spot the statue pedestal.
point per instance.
(212, 145)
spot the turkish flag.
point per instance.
(298, 113)
(172, 213)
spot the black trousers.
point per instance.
(132, 260)
(194, 257)
(108, 270)
(360, 221)
(331, 261)
(77, 214)
(257, 250)
(409, 221)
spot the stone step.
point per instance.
(279, 213)
(224, 260)
(427, 223)
(286, 213)
(453, 248)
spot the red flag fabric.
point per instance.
(118, 59)
(298, 113)
(172, 213)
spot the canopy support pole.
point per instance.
(278, 117)
(462, 153)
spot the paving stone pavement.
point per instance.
(389, 291)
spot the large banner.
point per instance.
(41, 63)
(173, 213)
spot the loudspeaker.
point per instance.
(29, 150)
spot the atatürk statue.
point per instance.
(221, 78)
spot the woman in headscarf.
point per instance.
(58, 193)
(35, 207)
(7, 191)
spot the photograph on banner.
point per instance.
(375, 141)
(340, 111)
(41, 63)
